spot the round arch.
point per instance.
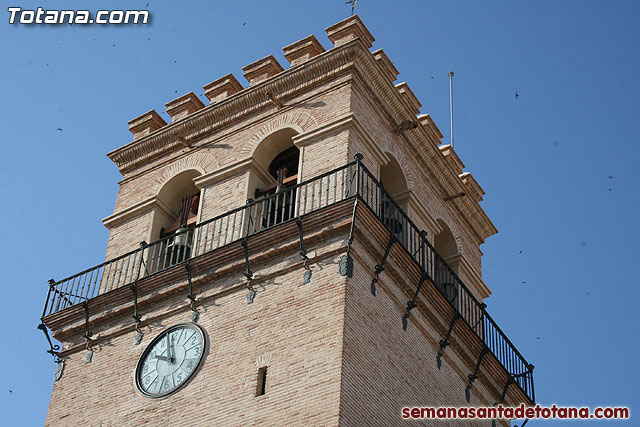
(446, 244)
(394, 181)
(177, 204)
(276, 155)
(392, 177)
(273, 144)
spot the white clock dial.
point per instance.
(170, 360)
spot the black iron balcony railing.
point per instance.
(351, 181)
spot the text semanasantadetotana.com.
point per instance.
(522, 411)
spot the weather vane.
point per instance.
(353, 5)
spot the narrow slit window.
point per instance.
(262, 381)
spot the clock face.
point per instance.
(170, 360)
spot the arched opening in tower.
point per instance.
(277, 196)
(177, 208)
(394, 182)
(446, 246)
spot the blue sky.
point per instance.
(544, 159)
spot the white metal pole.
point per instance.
(451, 103)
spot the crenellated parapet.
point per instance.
(386, 65)
(430, 127)
(146, 124)
(222, 88)
(349, 29)
(183, 106)
(410, 97)
(302, 50)
(262, 69)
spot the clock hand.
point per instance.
(169, 349)
(166, 359)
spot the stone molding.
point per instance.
(232, 170)
(347, 122)
(145, 206)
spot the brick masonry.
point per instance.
(336, 355)
(292, 329)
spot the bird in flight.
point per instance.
(60, 129)
(610, 176)
(517, 95)
(352, 3)
(520, 252)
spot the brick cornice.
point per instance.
(473, 188)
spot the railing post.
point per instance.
(52, 284)
(143, 246)
(358, 158)
(423, 249)
(533, 393)
(248, 216)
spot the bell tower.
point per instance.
(302, 250)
